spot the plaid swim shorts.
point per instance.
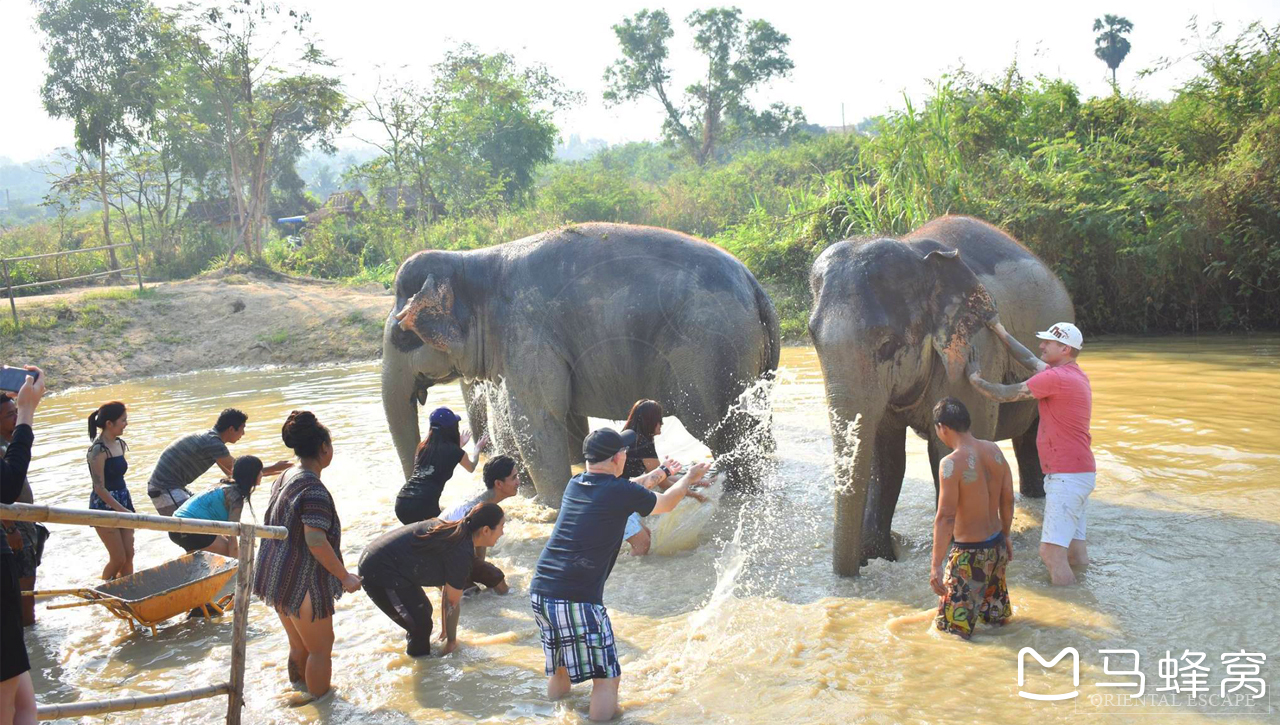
(577, 637)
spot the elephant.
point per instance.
(583, 321)
(895, 322)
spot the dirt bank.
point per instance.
(105, 335)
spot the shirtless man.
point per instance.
(975, 511)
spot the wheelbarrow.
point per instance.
(149, 597)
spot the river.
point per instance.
(748, 625)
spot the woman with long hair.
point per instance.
(433, 553)
(302, 575)
(223, 503)
(645, 419)
(434, 462)
(107, 466)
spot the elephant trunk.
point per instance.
(400, 399)
(854, 447)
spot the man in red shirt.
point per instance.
(1063, 440)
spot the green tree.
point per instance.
(1112, 46)
(265, 107)
(103, 62)
(473, 138)
(741, 55)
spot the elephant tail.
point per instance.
(771, 353)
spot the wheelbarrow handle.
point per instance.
(58, 592)
(85, 603)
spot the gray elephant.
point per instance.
(894, 323)
(583, 321)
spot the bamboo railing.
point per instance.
(10, 286)
(247, 533)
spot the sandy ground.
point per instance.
(103, 335)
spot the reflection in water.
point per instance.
(750, 625)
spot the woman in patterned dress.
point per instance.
(301, 576)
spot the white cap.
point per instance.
(1065, 333)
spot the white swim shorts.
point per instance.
(1066, 495)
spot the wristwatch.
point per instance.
(666, 471)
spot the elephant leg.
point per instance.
(937, 451)
(576, 430)
(1030, 475)
(538, 413)
(889, 465)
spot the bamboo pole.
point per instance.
(240, 624)
(68, 252)
(125, 704)
(13, 306)
(113, 519)
(48, 282)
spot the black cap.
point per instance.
(605, 443)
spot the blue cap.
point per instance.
(442, 416)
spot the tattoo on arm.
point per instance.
(452, 612)
(948, 468)
(314, 537)
(1025, 357)
(1003, 393)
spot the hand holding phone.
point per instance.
(13, 378)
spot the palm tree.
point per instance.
(1111, 44)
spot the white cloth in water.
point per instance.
(1066, 495)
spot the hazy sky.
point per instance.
(862, 55)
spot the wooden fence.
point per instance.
(10, 287)
(247, 533)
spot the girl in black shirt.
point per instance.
(645, 419)
(437, 457)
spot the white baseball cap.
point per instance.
(1065, 333)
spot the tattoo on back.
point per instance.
(999, 456)
(971, 473)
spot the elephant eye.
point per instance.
(888, 347)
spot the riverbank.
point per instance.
(218, 320)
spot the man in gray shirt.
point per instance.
(187, 458)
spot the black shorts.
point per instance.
(482, 572)
(192, 542)
(13, 655)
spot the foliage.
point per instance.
(741, 56)
(469, 142)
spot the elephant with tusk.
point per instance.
(583, 321)
(895, 322)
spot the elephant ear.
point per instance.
(430, 314)
(960, 307)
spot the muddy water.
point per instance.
(748, 625)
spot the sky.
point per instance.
(852, 59)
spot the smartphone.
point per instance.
(12, 379)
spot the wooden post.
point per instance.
(240, 624)
(137, 268)
(13, 306)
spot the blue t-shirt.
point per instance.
(584, 544)
(210, 505)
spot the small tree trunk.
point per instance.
(106, 207)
